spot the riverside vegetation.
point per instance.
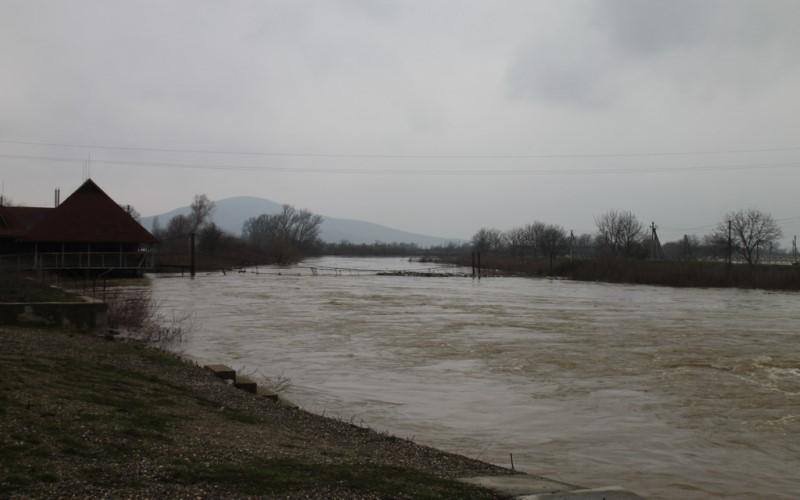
(644, 272)
(621, 250)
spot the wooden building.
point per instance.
(88, 231)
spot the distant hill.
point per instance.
(231, 213)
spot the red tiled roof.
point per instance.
(88, 215)
(16, 221)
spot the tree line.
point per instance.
(747, 234)
(292, 234)
(282, 238)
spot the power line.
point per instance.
(706, 226)
(398, 171)
(637, 154)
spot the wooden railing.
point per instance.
(76, 260)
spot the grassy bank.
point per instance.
(665, 273)
(84, 416)
(16, 287)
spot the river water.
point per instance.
(674, 393)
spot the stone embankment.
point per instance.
(86, 315)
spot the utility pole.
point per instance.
(794, 248)
(473, 264)
(653, 240)
(686, 251)
(571, 243)
(655, 245)
(191, 251)
(730, 245)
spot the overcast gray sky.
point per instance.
(430, 116)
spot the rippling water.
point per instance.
(675, 393)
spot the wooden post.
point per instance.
(192, 254)
(473, 264)
(479, 265)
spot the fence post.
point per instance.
(192, 254)
(473, 264)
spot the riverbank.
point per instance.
(84, 416)
(688, 274)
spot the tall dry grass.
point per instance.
(133, 312)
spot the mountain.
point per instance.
(230, 214)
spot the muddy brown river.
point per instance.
(674, 393)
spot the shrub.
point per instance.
(135, 313)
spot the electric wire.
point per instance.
(637, 154)
(424, 172)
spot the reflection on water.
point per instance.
(671, 392)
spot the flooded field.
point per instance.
(674, 393)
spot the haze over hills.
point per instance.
(231, 213)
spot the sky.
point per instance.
(438, 117)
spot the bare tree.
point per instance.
(516, 241)
(619, 232)
(132, 212)
(156, 227)
(178, 227)
(686, 248)
(751, 231)
(531, 234)
(583, 246)
(487, 240)
(305, 228)
(212, 239)
(553, 242)
(201, 210)
(174, 237)
(285, 235)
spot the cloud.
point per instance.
(435, 77)
(567, 71)
(610, 52)
(644, 28)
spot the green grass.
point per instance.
(60, 400)
(86, 413)
(276, 477)
(17, 288)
